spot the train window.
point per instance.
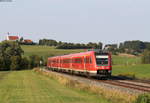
(102, 60)
(66, 61)
(78, 60)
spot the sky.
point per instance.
(78, 21)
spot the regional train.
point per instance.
(89, 63)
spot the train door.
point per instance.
(88, 63)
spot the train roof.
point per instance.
(82, 53)
(78, 54)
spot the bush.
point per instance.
(128, 75)
(146, 57)
(144, 98)
(35, 61)
(25, 63)
(15, 63)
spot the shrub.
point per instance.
(146, 57)
(35, 61)
(15, 63)
(24, 63)
(129, 75)
(144, 98)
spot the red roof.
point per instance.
(28, 41)
(13, 37)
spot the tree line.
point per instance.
(11, 57)
(134, 47)
(65, 45)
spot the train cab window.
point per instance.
(102, 60)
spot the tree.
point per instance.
(34, 61)
(132, 47)
(147, 45)
(10, 48)
(21, 39)
(9, 53)
(48, 42)
(2, 64)
(24, 63)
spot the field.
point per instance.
(122, 65)
(46, 51)
(125, 60)
(130, 67)
(140, 71)
(30, 87)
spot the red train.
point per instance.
(90, 63)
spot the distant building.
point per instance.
(28, 41)
(110, 46)
(18, 38)
(12, 38)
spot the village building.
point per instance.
(18, 38)
(12, 38)
(28, 41)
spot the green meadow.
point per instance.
(124, 60)
(140, 71)
(46, 51)
(130, 67)
(31, 87)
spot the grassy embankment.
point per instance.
(122, 65)
(30, 87)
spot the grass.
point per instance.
(130, 67)
(46, 51)
(141, 71)
(30, 87)
(114, 96)
(124, 60)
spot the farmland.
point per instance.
(130, 67)
(140, 71)
(125, 60)
(46, 51)
(30, 87)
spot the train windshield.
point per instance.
(102, 60)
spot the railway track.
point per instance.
(130, 79)
(130, 84)
(144, 88)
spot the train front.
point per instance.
(103, 64)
